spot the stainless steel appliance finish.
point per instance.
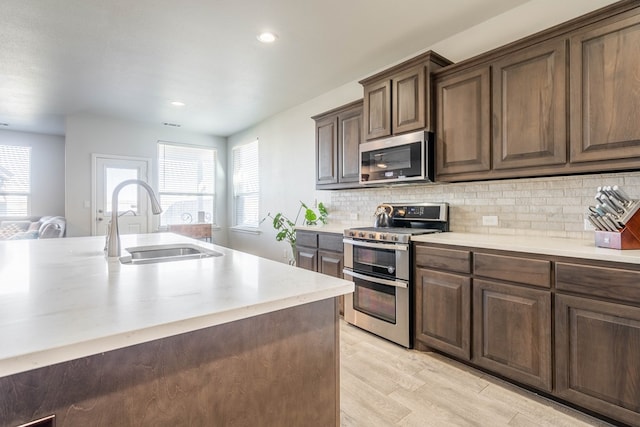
(398, 159)
(378, 260)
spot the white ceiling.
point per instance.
(129, 58)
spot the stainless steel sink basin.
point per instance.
(166, 253)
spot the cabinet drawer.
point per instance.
(533, 272)
(445, 259)
(307, 238)
(599, 281)
(330, 242)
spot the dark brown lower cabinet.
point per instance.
(443, 312)
(330, 263)
(598, 356)
(512, 332)
(321, 252)
(307, 258)
(568, 327)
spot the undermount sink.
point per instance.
(166, 253)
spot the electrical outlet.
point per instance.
(490, 221)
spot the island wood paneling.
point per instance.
(276, 369)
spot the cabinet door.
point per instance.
(350, 126)
(605, 91)
(443, 312)
(330, 263)
(463, 135)
(408, 106)
(326, 154)
(512, 332)
(377, 109)
(530, 107)
(598, 356)
(307, 258)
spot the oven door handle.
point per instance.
(395, 283)
(387, 246)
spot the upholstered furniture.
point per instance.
(37, 227)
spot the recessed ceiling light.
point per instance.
(267, 37)
(177, 103)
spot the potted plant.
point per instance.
(287, 229)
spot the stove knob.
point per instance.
(383, 237)
(351, 233)
(372, 235)
(394, 238)
(361, 234)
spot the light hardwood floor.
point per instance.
(383, 384)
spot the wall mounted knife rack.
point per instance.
(627, 237)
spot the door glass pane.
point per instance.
(375, 300)
(128, 196)
(378, 262)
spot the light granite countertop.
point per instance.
(61, 299)
(573, 248)
(333, 228)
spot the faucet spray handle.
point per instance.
(113, 235)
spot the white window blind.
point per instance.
(186, 182)
(15, 180)
(246, 185)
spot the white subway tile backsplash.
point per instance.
(554, 206)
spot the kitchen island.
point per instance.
(227, 340)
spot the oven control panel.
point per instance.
(421, 212)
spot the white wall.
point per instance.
(287, 151)
(47, 169)
(287, 171)
(88, 134)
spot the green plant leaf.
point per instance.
(310, 216)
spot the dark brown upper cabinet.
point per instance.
(398, 100)
(377, 104)
(463, 137)
(563, 101)
(338, 137)
(605, 90)
(530, 107)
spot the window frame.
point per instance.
(27, 194)
(246, 227)
(214, 207)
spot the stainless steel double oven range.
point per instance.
(379, 260)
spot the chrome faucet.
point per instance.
(113, 235)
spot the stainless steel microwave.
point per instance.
(404, 158)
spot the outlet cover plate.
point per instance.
(490, 220)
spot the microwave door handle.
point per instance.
(395, 283)
(387, 246)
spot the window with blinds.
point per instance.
(246, 185)
(15, 180)
(186, 184)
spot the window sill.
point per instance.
(246, 230)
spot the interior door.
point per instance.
(133, 203)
